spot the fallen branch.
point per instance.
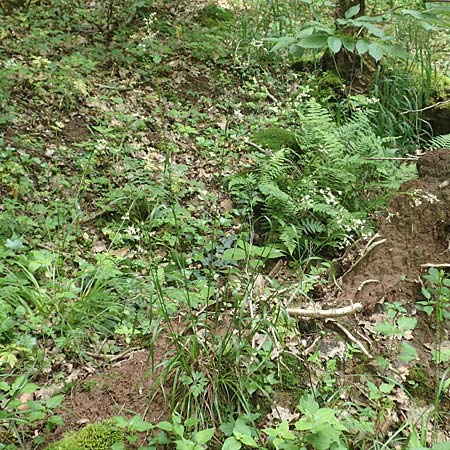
(366, 282)
(437, 265)
(325, 313)
(427, 107)
(258, 147)
(410, 158)
(369, 247)
(352, 338)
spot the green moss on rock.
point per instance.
(96, 436)
(439, 117)
(213, 16)
(276, 138)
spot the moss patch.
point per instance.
(213, 16)
(276, 138)
(96, 436)
(419, 383)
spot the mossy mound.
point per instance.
(439, 116)
(329, 86)
(276, 138)
(96, 436)
(213, 16)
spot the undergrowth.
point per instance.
(164, 175)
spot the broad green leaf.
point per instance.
(178, 429)
(334, 44)
(283, 42)
(241, 427)
(442, 356)
(36, 415)
(385, 328)
(374, 393)
(56, 420)
(164, 425)
(234, 254)
(413, 13)
(29, 388)
(308, 405)
(118, 446)
(120, 421)
(305, 32)
(385, 388)
(54, 402)
(395, 50)
(246, 439)
(184, 444)
(351, 12)
(314, 41)
(231, 443)
(304, 424)
(322, 438)
(296, 51)
(137, 423)
(204, 436)
(375, 51)
(348, 43)
(192, 421)
(407, 352)
(407, 323)
(371, 28)
(362, 46)
(373, 19)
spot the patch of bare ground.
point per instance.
(414, 233)
(126, 388)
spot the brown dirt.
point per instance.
(124, 389)
(75, 130)
(416, 230)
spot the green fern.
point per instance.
(289, 237)
(442, 141)
(319, 199)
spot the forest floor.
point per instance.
(95, 147)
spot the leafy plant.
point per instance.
(356, 32)
(318, 428)
(19, 408)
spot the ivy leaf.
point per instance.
(334, 44)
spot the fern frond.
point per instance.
(290, 237)
(442, 141)
(312, 226)
(273, 166)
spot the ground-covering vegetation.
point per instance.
(174, 177)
